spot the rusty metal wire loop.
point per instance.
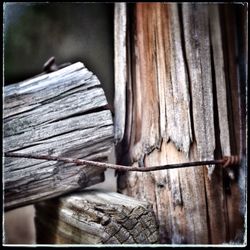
(231, 160)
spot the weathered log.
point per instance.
(95, 217)
(61, 114)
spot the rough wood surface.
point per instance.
(120, 25)
(178, 103)
(236, 116)
(61, 114)
(197, 45)
(95, 217)
(175, 117)
(220, 78)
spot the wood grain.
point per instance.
(220, 78)
(62, 114)
(197, 46)
(176, 111)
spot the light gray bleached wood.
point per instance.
(62, 114)
(197, 44)
(95, 217)
(120, 28)
(178, 99)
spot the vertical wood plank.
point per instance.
(236, 118)
(220, 78)
(178, 104)
(197, 45)
(120, 60)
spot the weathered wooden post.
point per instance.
(177, 107)
(60, 114)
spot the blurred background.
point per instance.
(33, 32)
(71, 32)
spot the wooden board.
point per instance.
(62, 114)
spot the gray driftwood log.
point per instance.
(62, 114)
(95, 217)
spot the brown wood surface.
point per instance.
(60, 114)
(177, 110)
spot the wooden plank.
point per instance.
(218, 218)
(178, 98)
(120, 29)
(62, 114)
(235, 84)
(145, 135)
(95, 217)
(220, 78)
(197, 45)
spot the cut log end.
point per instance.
(95, 217)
